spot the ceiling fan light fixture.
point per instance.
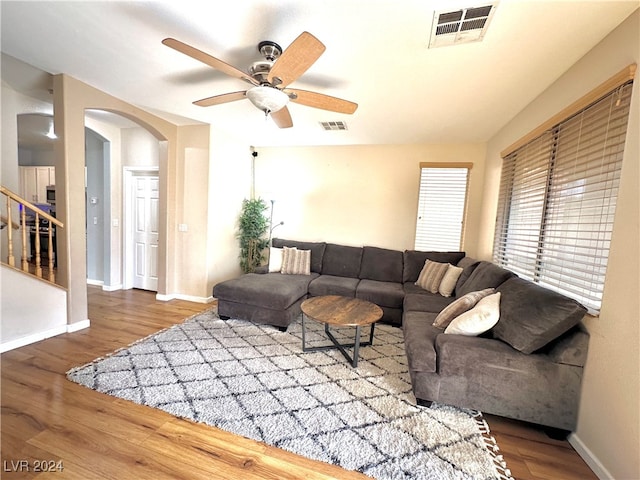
(267, 99)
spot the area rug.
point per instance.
(255, 381)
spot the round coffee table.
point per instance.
(341, 312)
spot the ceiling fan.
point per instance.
(270, 78)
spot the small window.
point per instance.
(441, 206)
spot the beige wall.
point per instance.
(230, 183)
(358, 195)
(609, 420)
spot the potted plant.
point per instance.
(252, 228)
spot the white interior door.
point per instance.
(145, 232)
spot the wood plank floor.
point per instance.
(48, 421)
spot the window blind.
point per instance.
(557, 201)
(441, 207)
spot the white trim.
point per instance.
(33, 338)
(590, 459)
(97, 283)
(81, 325)
(111, 288)
(179, 296)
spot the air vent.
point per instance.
(334, 125)
(461, 26)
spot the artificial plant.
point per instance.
(252, 230)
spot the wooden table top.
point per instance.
(341, 311)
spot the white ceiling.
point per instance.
(376, 56)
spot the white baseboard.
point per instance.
(587, 455)
(74, 327)
(97, 283)
(179, 296)
(33, 338)
(111, 288)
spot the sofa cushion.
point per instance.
(418, 300)
(468, 265)
(317, 250)
(485, 275)
(381, 264)
(269, 290)
(420, 340)
(341, 260)
(531, 316)
(414, 261)
(333, 285)
(384, 294)
(479, 319)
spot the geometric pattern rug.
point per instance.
(254, 380)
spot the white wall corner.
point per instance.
(590, 459)
(74, 327)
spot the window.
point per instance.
(558, 197)
(441, 206)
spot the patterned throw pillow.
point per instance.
(449, 281)
(431, 275)
(296, 262)
(459, 306)
(479, 319)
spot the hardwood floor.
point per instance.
(50, 422)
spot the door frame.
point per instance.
(128, 251)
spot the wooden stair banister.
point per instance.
(39, 213)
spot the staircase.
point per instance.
(17, 204)
(33, 306)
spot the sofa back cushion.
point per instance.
(414, 261)
(531, 316)
(381, 264)
(341, 260)
(317, 250)
(485, 275)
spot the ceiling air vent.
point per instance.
(334, 125)
(460, 26)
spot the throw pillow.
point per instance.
(479, 319)
(449, 280)
(296, 262)
(431, 275)
(459, 306)
(275, 259)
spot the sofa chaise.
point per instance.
(528, 366)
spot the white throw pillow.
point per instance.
(479, 319)
(275, 259)
(449, 280)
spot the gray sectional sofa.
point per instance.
(527, 367)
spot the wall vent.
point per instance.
(334, 125)
(461, 26)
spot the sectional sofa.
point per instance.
(528, 366)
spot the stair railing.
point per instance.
(7, 220)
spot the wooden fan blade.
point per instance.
(218, 99)
(208, 59)
(282, 118)
(296, 59)
(325, 102)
